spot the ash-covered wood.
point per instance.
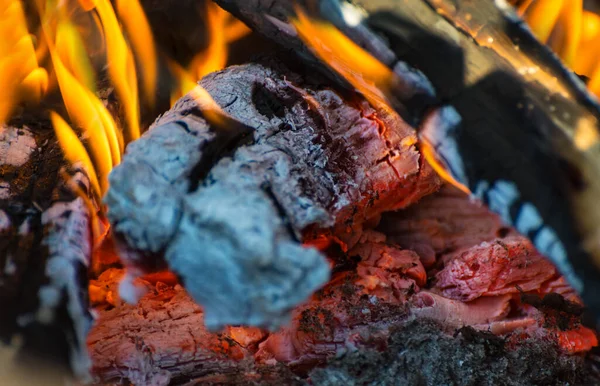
(45, 248)
(529, 133)
(318, 159)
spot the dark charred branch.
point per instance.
(45, 248)
(317, 160)
(529, 131)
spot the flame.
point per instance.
(210, 109)
(71, 49)
(79, 39)
(21, 78)
(365, 73)
(142, 41)
(222, 29)
(571, 31)
(121, 67)
(74, 150)
(430, 156)
(369, 76)
(83, 108)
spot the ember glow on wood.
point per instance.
(328, 189)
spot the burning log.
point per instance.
(525, 120)
(317, 160)
(45, 250)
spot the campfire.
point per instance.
(299, 192)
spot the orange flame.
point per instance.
(82, 38)
(132, 15)
(572, 32)
(74, 151)
(368, 75)
(364, 72)
(222, 30)
(21, 79)
(121, 68)
(83, 109)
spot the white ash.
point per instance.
(16, 145)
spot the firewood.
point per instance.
(45, 250)
(528, 139)
(317, 160)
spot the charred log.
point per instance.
(375, 316)
(45, 251)
(317, 160)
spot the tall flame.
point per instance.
(77, 40)
(142, 41)
(121, 68)
(21, 78)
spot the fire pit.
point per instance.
(328, 193)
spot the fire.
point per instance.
(76, 42)
(367, 74)
(571, 31)
(222, 29)
(21, 78)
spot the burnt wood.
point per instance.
(317, 159)
(528, 140)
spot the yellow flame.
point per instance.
(73, 149)
(70, 48)
(185, 81)
(567, 32)
(215, 55)
(572, 32)
(210, 109)
(222, 29)
(364, 72)
(235, 29)
(121, 68)
(429, 154)
(588, 54)
(138, 29)
(21, 79)
(542, 16)
(367, 74)
(84, 111)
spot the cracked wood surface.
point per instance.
(317, 159)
